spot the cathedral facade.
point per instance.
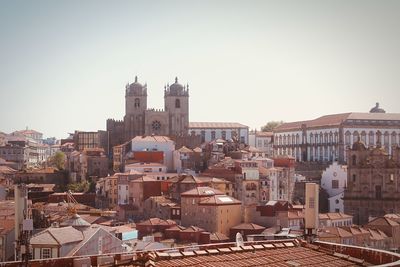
(173, 120)
(373, 182)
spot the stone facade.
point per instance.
(373, 182)
(139, 120)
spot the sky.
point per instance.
(64, 64)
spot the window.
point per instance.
(354, 160)
(137, 103)
(177, 103)
(335, 184)
(311, 203)
(371, 138)
(223, 135)
(212, 135)
(378, 192)
(203, 136)
(354, 178)
(347, 138)
(46, 253)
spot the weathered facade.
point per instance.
(373, 182)
(139, 120)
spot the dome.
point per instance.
(377, 109)
(359, 145)
(136, 88)
(176, 88)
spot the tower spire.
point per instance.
(136, 79)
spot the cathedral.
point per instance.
(140, 120)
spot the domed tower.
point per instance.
(176, 101)
(377, 109)
(135, 107)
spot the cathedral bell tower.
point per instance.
(135, 107)
(176, 102)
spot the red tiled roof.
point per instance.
(202, 191)
(327, 120)
(216, 125)
(248, 226)
(278, 254)
(220, 200)
(152, 138)
(337, 119)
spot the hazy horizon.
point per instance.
(65, 64)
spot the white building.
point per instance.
(123, 189)
(156, 143)
(334, 219)
(334, 181)
(263, 141)
(220, 130)
(143, 167)
(327, 138)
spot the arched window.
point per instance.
(394, 138)
(223, 135)
(212, 135)
(354, 160)
(364, 137)
(137, 103)
(371, 138)
(311, 138)
(347, 138)
(386, 139)
(355, 136)
(177, 103)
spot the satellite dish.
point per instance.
(239, 239)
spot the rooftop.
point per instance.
(287, 252)
(337, 119)
(202, 191)
(216, 125)
(152, 138)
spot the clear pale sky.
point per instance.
(64, 64)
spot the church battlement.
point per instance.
(114, 121)
(155, 110)
(140, 120)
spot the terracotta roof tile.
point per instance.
(216, 125)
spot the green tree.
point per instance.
(58, 160)
(270, 126)
(79, 187)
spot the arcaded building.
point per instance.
(326, 138)
(140, 120)
(373, 182)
